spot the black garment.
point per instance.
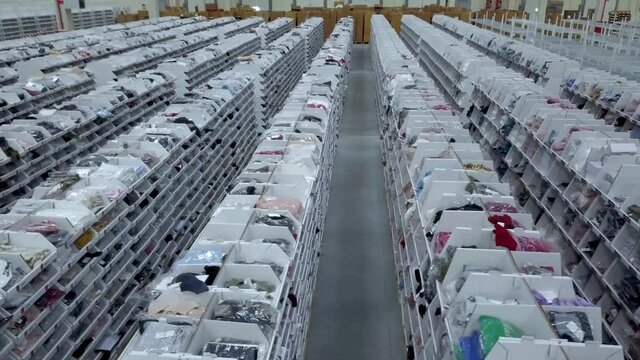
(293, 299)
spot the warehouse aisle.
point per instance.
(355, 312)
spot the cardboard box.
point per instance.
(292, 15)
(142, 15)
(367, 26)
(276, 14)
(358, 16)
(395, 21)
(301, 16)
(121, 19)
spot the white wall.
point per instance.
(132, 5)
(530, 7)
(23, 3)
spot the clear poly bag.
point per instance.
(124, 174)
(92, 197)
(281, 203)
(492, 329)
(161, 337)
(572, 326)
(210, 254)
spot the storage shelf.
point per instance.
(141, 231)
(288, 164)
(98, 41)
(146, 58)
(548, 179)
(436, 132)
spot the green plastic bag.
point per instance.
(492, 328)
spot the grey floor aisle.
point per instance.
(356, 315)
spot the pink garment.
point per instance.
(495, 206)
(280, 203)
(441, 107)
(559, 144)
(441, 240)
(270, 152)
(529, 244)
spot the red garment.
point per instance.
(504, 238)
(520, 243)
(508, 222)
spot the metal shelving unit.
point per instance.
(595, 237)
(20, 22)
(42, 150)
(179, 156)
(283, 166)
(145, 58)
(551, 71)
(91, 17)
(276, 70)
(26, 48)
(74, 53)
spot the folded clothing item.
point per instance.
(282, 243)
(248, 311)
(232, 349)
(281, 203)
(512, 242)
(161, 337)
(441, 240)
(492, 329)
(277, 220)
(270, 152)
(573, 326)
(494, 206)
(258, 285)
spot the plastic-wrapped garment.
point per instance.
(249, 311)
(281, 203)
(205, 255)
(512, 242)
(245, 190)
(270, 152)
(160, 337)
(495, 206)
(481, 189)
(572, 326)
(282, 243)
(551, 298)
(277, 269)
(492, 328)
(92, 161)
(441, 240)
(251, 284)
(242, 179)
(531, 269)
(438, 270)
(125, 175)
(277, 220)
(59, 182)
(232, 349)
(166, 141)
(95, 197)
(48, 229)
(469, 347)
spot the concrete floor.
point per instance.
(356, 314)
